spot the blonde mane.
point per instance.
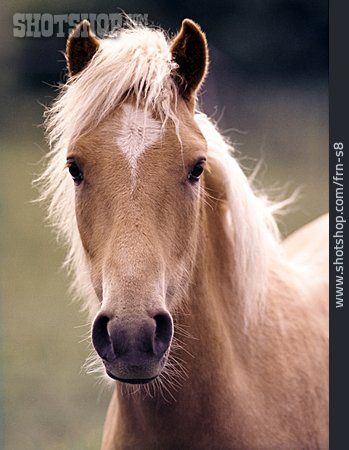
(138, 61)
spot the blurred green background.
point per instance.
(267, 87)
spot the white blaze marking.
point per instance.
(138, 132)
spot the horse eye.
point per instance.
(74, 171)
(196, 171)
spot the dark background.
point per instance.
(267, 88)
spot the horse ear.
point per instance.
(82, 44)
(189, 50)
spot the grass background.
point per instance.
(48, 403)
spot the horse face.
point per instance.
(137, 193)
(137, 184)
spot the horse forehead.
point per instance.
(137, 132)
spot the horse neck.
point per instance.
(226, 367)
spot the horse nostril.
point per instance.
(101, 339)
(163, 332)
(114, 339)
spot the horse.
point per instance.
(211, 328)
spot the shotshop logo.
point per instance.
(35, 25)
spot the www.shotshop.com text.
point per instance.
(338, 237)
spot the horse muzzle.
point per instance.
(135, 350)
